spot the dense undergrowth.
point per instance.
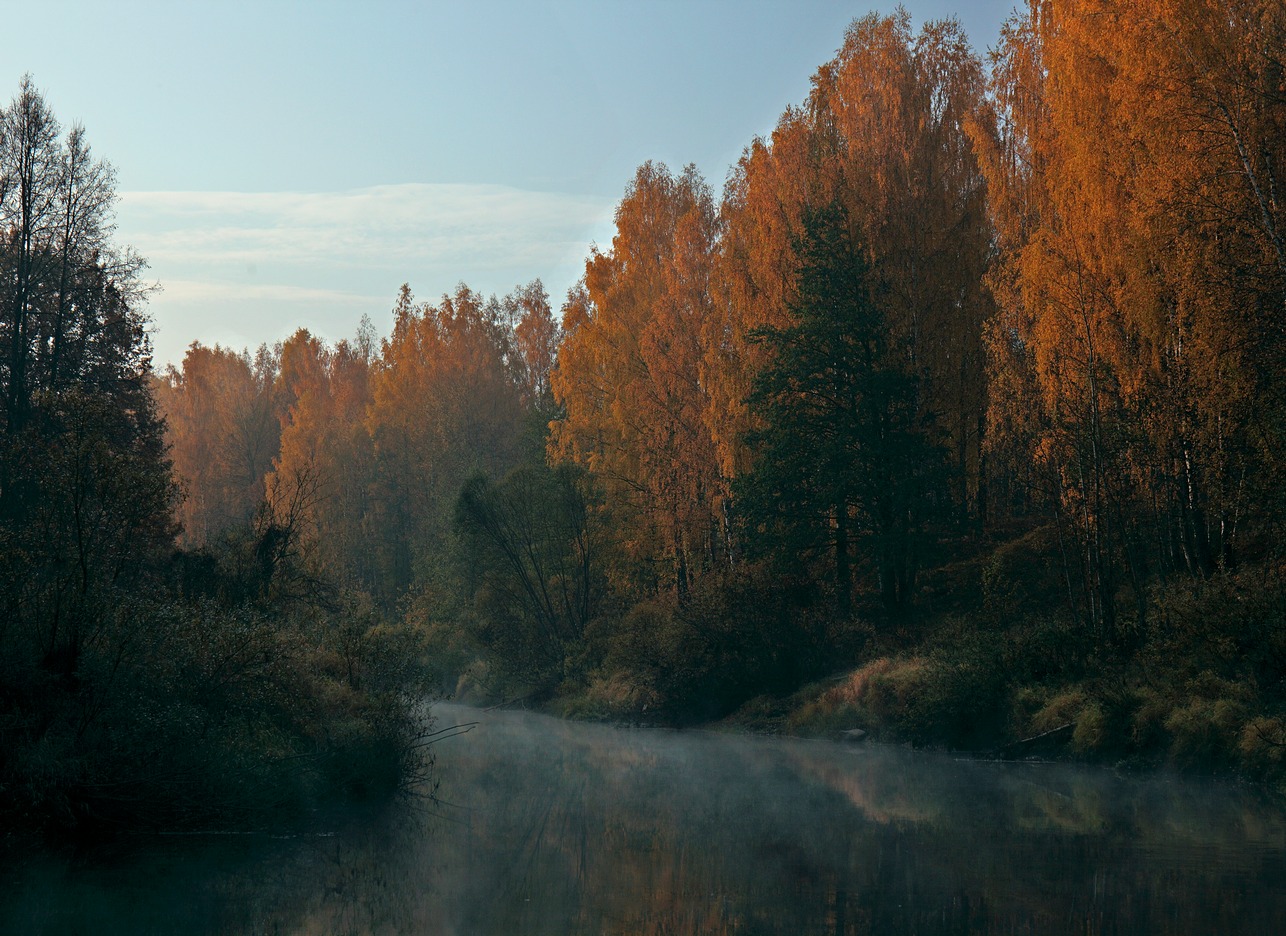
(1199, 684)
(992, 660)
(193, 706)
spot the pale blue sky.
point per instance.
(289, 163)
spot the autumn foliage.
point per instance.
(952, 316)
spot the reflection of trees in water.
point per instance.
(549, 827)
(635, 832)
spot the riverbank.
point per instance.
(192, 715)
(1198, 688)
(993, 660)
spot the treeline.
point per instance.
(973, 371)
(142, 686)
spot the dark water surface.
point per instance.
(550, 827)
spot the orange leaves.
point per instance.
(444, 403)
(536, 336)
(1126, 159)
(658, 356)
(222, 429)
(382, 438)
(630, 370)
(883, 135)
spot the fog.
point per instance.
(543, 826)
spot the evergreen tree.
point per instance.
(844, 453)
(85, 490)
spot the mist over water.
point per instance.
(551, 827)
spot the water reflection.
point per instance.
(557, 828)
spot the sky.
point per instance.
(291, 164)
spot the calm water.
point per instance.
(559, 828)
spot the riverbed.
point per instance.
(544, 826)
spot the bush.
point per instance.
(734, 637)
(933, 699)
(1214, 667)
(181, 714)
(878, 696)
(956, 694)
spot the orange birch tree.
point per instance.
(629, 376)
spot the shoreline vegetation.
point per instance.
(1188, 697)
(957, 419)
(1018, 684)
(147, 684)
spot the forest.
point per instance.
(957, 417)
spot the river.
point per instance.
(548, 827)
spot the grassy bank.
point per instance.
(1007, 670)
(992, 659)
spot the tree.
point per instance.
(844, 453)
(70, 298)
(531, 569)
(137, 683)
(85, 495)
(223, 432)
(883, 133)
(1137, 348)
(629, 378)
(325, 395)
(766, 194)
(536, 337)
(444, 404)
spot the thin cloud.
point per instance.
(271, 261)
(197, 291)
(413, 221)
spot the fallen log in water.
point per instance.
(1045, 741)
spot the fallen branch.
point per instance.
(451, 731)
(1059, 735)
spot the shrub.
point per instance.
(732, 638)
(1262, 745)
